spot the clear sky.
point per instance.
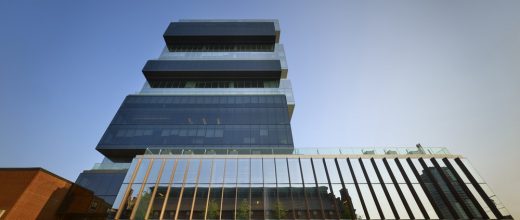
(365, 73)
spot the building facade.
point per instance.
(209, 137)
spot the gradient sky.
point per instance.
(365, 73)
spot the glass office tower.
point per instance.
(209, 137)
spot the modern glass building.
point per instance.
(209, 137)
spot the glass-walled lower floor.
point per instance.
(304, 187)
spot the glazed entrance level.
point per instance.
(302, 186)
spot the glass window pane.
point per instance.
(228, 200)
(130, 171)
(425, 201)
(231, 171)
(272, 207)
(243, 203)
(154, 172)
(167, 171)
(313, 200)
(358, 172)
(180, 170)
(308, 175)
(205, 171)
(459, 171)
(333, 171)
(256, 170)
(399, 206)
(129, 205)
(215, 194)
(472, 171)
(383, 171)
(395, 170)
(299, 204)
(201, 198)
(218, 171)
(356, 201)
(142, 171)
(158, 201)
(383, 201)
(282, 176)
(491, 195)
(481, 201)
(257, 201)
(269, 170)
(372, 176)
(408, 171)
(369, 201)
(119, 198)
(285, 205)
(319, 169)
(193, 171)
(328, 200)
(187, 200)
(411, 201)
(172, 199)
(345, 171)
(294, 171)
(243, 171)
(146, 196)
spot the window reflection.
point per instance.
(369, 202)
(332, 170)
(358, 172)
(282, 175)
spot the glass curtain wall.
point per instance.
(304, 187)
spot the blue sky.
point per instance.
(365, 73)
